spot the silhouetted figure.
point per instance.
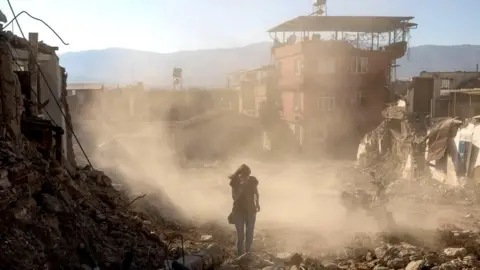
(245, 207)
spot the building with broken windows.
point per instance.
(33, 87)
(451, 80)
(331, 76)
(255, 88)
(445, 94)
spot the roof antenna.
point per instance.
(319, 8)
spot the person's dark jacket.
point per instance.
(244, 196)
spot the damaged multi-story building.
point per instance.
(444, 94)
(331, 77)
(33, 89)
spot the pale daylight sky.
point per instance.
(173, 25)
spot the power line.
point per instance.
(35, 18)
(50, 89)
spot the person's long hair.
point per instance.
(242, 170)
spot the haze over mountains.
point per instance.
(209, 68)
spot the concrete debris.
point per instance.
(455, 252)
(252, 260)
(396, 148)
(54, 220)
(206, 238)
(451, 249)
(207, 258)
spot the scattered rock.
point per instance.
(47, 217)
(206, 238)
(380, 252)
(415, 265)
(397, 263)
(455, 252)
(51, 203)
(4, 182)
(251, 260)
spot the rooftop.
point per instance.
(85, 86)
(447, 72)
(468, 91)
(365, 24)
(21, 43)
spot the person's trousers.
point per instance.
(245, 227)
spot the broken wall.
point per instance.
(461, 160)
(451, 80)
(51, 89)
(70, 154)
(394, 149)
(11, 103)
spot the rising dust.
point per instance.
(299, 199)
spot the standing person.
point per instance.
(245, 207)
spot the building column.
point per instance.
(52, 78)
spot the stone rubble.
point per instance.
(452, 250)
(53, 220)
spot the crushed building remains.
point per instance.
(395, 147)
(443, 149)
(55, 214)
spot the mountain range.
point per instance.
(209, 68)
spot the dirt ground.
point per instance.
(301, 210)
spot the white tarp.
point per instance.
(460, 152)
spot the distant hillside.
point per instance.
(209, 67)
(439, 58)
(200, 68)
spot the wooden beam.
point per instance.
(33, 68)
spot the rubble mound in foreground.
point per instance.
(446, 248)
(54, 220)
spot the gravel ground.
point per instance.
(301, 213)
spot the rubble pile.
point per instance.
(395, 149)
(51, 219)
(431, 191)
(441, 249)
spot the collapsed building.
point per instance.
(453, 151)
(395, 149)
(56, 215)
(404, 147)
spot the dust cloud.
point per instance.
(297, 197)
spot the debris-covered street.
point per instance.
(273, 172)
(436, 225)
(82, 220)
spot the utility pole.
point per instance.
(35, 96)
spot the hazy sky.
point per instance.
(172, 25)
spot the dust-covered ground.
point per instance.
(300, 203)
